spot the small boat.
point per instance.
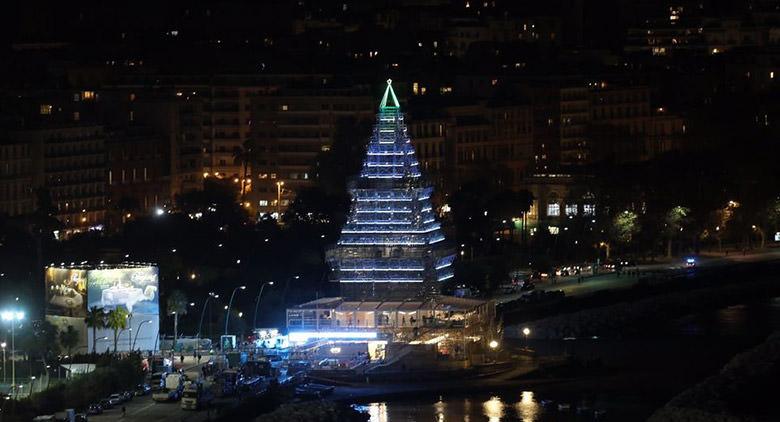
(547, 403)
(564, 407)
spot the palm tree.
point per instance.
(176, 305)
(117, 321)
(69, 338)
(243, 156)
(96, 319)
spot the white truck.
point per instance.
(196, 396)
(174, 384)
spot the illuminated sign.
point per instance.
(66, 292)
(134, 288)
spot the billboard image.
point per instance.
(134, 288)
(66, 292)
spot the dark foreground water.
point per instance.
(649, 370)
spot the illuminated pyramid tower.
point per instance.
(391, 246)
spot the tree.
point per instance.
(674, 220)
(42, 341)
(243, 156)
(69, 338)
(176, 305)
(625, 226)
(117, 321)
(95, 319)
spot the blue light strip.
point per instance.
(381, 269)
(385, 280)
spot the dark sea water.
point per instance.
(673, 355)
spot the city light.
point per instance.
(493, 344)
(304, 336)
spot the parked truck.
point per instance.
(196, 396)
(174, 384)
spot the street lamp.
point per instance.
(203, 312)
(279, 185)
(526, 333)
(257, 302)
(13, 317)
(3, 344)
(227, 313)
(138, 330)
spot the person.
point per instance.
(124, 410)
(181, 358)
(199, 357)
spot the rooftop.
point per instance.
(439, 302)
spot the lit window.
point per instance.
(571, 209)
(553, 229)
(415, 88)
(589, 209)
(285, 202)
(262, 176)
(263, 202)
(87, 95)
(553, 210)
(46, 108)
(284, 107)
(273, 175)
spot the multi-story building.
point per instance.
(498, 134)
(16, 187)
(70, 163)
(136, 171)
(625, 127)
(290, 130)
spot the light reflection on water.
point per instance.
(494, 409)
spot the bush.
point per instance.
(116, 375)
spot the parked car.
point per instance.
(94, 409)
(142, 389)
(106, 404)
(116, 399)
(128, 395)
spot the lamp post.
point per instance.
(257, 303)
(138, 330)
(493, 346)
(526, 333)
(279, 185)
(130, 331)
(3, 344)
(13, 317)
(203, 312)
(227, 314)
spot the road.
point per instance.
(606, 281)
(144, 409)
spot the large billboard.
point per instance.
(66, 292)
(134, 288)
